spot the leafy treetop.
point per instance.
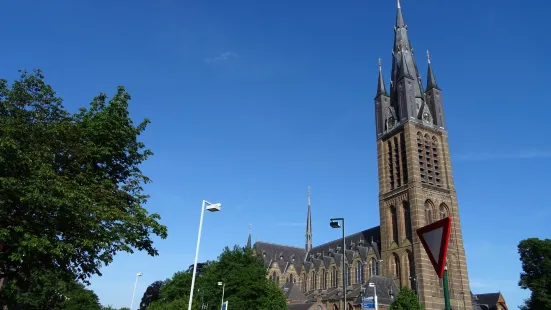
(246, 285)
(535, 255)
(70, 184)
(406, 300)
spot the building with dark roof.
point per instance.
(416, 188)
(489, 301)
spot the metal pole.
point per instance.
(375, 300)
(446, 291)
(344, 271)
(196, 255)
(134, 292)
(222, 304)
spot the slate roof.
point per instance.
(305, 306)
(486, 301)
(282, 254)
(360, 239)
(293, 293)
(386, 289)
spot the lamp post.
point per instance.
(139, 274)
(334, 223)
(374, 295)
(212, 207)
(414, 279)
(446, 289)
(223, 287)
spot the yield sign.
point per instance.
(435, 239)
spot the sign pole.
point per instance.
(446, 290)
(435, 238)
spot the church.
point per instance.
(416, 188)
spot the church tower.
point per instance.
(415, 178)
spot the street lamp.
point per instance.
(334, 223)
(139, 274)
(223, 287)
(374, 295)
(212, 207)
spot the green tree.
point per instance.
(535, 255)
(246, 285)
(152, 293)
(70, 184)
(406, 300)
(50, 290)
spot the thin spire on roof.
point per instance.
(308, 245)
(381, 88)
(431, 79)
(249, 241)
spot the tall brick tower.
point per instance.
(415, 178)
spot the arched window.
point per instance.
(397, 163)
(335, 277)
(428, 212)
(390, 165)
(404, 157)
(348, 275)
(359, 273)
(436, 163)
(325, 280)
(429, 163)
(274, 276)
(443, 211)
(291, 278)
(394, 223)
(312, 280)
(397, 268)
(374, 267)
(407, 220)
(422, 157)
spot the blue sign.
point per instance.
(368, 303)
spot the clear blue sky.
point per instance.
(252, 101)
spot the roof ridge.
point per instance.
(288, 246)
(359, 232)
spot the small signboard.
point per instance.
(368, 303)
(225, 305)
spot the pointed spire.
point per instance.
(381, 88)
(431, 80)
(399, 17)
(403, 70)
(249, 241)
(403, 61)
(309, 225)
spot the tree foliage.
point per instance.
(71, 193)
(535, 255)
(152, 293)
(50, 290)
(406, 300)
(246, 286)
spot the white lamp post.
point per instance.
(223, 287)
(139, 274)
(374, 295)
(212, 207)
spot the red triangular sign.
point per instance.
(435, 238)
